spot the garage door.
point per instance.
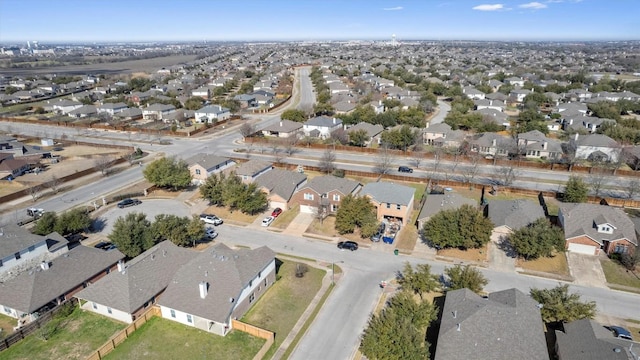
(276, 204)
(307, 209)
(582, 249)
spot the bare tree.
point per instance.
(247, 129)
(505, 175)
(327, 161)
(632, 188)
(596, 179)
(54, 184)
(277, 153)
(339, 136)
(470, 171)
(383, 162)
(34, 191)
(417, 156)
(249, 150)
(437, 156)
(102, 163)
(290, 145)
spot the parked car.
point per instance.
(110, 246)
(378, 235)
(405, 169)
(211, 219)
(101, 245)
(276, 212)
(621, 333)
(210, 234)
(348, 245)
(35, 212)
(267, 221)
(128, 202)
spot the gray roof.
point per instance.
(323, 121)
(14, 238)
(207, 161)
(515, 214)
(284, 126)
(326, 183)
(213, 109)
(130, 112)
(226, 271)
(33, 289)
(371, 129)
(534, 135)
(486, 139)
(143, 278)
(386, 192)
(159, 107)
(438, 128)
(598, 140)
(439, 202)
(281, 182)
(252, 167)
(587, 340)
(506, 326)
(581, 219)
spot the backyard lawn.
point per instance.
(618, 275)
(6, 324)
(280, 308)
(77, 337)
(165, 339)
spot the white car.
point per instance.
(211, 219)
(210, 233)
(267, 221)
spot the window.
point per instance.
(334, 207)
(189, 319)
(398, 207)
(17, 255)
(197, 171)
(94, 305)
(336, 197)
(620, 249)
(7, 310)
(0, 262)
(109, 310)
(388, 206)
(308, 196)
(252, 297)
(173, 313)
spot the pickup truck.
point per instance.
(35, 212)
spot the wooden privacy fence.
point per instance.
(120, 337)
(257, 332)
(31, 327)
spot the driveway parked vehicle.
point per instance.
(378, 235)
(276, 212)
(405, 169)
(211, 219)
(348, 245)
(210, 234)
(128, 202)
(621, 333)
(267, 221)
(101, 245)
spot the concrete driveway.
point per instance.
(586, 270)
(502, 256)
(300, 224)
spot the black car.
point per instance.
(101, 245)
(348, 245)
(128, 202)
(405, 169)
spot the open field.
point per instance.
(77, 336)
(165, 339)
(280, 308)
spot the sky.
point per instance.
(265, 20)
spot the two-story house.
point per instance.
(212, 113)
(321, 126)
(201, 166)
(324, 193)
(251, 169)
(157, 111)
(392, 201)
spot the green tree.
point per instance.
(172, 228)
(73, 221)
(194, 103)
(420, 280)
(356, 211)
(131, 234)
(401, 138)
(358, 137)
(212, 189)
(168, 172)
(560, 306)
(254, 200)
(294, 115)
(576, 190)
(538, 239)
(462, 228)
(46, 224)
(461, 277)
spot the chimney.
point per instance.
(121, 265)
(379, 102)
(44, 265)
(204, 289)
(544, 145)
(426, 126)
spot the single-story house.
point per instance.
(373, 131)
(596, 147)
(586, 339)
(392, 201)
(283, 129)
(510, 215)
(439, 202)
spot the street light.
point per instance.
(333, 271)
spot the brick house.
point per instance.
(326, 191)
(201, 166)
(280, 185)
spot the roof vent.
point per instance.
(617, 350)
(231, 299)
(204, 289)
(455, 314)
(458, 327)
(164, 252)
(44, 265)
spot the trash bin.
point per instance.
(395, 252)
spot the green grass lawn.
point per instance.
(6, 324)
(280, 308)
(165, 339)
(617, 274)
(77, 337)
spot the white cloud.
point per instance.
(489, 7)
(533, 5)
(393, 8)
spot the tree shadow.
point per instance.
(504, 245)
(434, 328)
(98, 224)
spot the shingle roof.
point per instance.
(281, 182)
(506, 326)
(13, 238)
(580, 219)
(386, 192)
(587, 340)
(327, 183)
(144, 277)
(252, 167)
(323, 121)
(371, 129)
(207, 161)
(225, 270)
(514, 213)
(285, 126)
(438, 202)
(31, 290)
(598, 140)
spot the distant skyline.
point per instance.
(284, 20)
